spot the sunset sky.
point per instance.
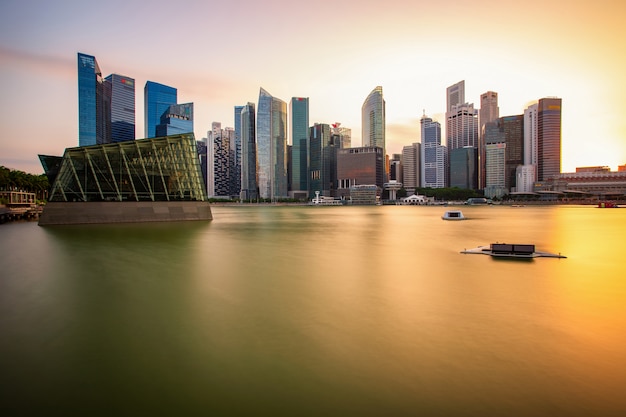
(219, 53)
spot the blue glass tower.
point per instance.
(157, 100)
(122, 113)
(177, 119)
(91, 107)
(272, 146)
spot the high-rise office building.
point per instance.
(411, 170)
(455, 95)
(542, 138)
(323, 148)
(513, 129)
(489, 112)
(495, 159)
(462, 133)
(464, 168)
(362, 166)
(157, 100)
(177, 119)
(236, 151)
(299, 138)
(122, 102)
(549, 137)
(395, 168)
(434, 156)
(248, 154)
(271, 136)
(91, 102)
(219, 161)
(373, 120)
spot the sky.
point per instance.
(219, 53)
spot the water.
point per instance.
(277, 310)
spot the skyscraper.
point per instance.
(373, 120)
(549, 137)
(488, 113)
(323, 160)
(272, 146)
(542, 138)
(177, 119)
(235, 147)
(411, 171)
(248, 154)
(299, 132)
(462, 132)
(122, 102)
(455, 95)
(157, 100)
(219, 161)
(91, 105)
(434, 156)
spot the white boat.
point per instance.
(504, 250)
(453, 215)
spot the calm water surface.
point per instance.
(276, 310)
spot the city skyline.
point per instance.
(410, 52)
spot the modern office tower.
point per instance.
(462, 132)
(271, 136)
(411, 171)
(549, 138)
(542, 138)
(157, 100)
(248, 154)
(495, 159)
(219, 163)
(359, 167)
(513, 128)
(122, 102)
(91, 102)
(489, 112)
(177, 119)
(455, 95)
(345, 134)
(464, 168)
(236, 152)
(299, 139)
(373, 120)
(525, 178)
(322, 161)
(434, 156)
(531, 150)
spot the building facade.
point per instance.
(359, 166)
(299, 139)
(434, 156)
(323, 161)
(373, 120)
(272, 146)
(157, 99)
(91, 102)
(176, 120)
(122, 102)
(249, 188)
(489, 112)
(411, 167)
(542, 138)
(464, 168)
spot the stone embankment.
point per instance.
(8, 214)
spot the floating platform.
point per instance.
(512, 251)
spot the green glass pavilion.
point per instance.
(160, 176)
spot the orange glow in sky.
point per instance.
(220, 53)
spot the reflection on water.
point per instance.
(317, 311)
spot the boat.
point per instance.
(607, 204)
(515, 251)
(453, 215)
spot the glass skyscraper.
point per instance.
(248, 154)
(177, 119)
(373, 120)
(272, 146)
(91, 106)
(299, 113)
(157, 100)
(122, 102)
